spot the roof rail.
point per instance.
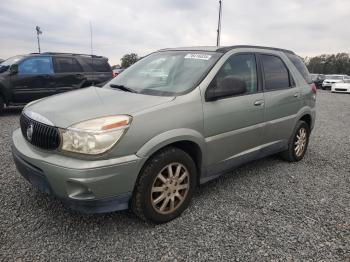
(228, 48)
(75, 54)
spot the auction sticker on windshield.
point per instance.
(198, 56)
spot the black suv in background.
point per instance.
(318, 79)
(29, 77)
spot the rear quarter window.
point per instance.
(299, 64)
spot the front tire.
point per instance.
(165, 186)
(298, 143)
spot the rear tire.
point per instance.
(165, 186)
(2, 104)
(297, 144)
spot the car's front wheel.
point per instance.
(298, 143)
(165, 186)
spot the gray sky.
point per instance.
(308, 27)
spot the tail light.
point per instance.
(114, 74)
(313, 88)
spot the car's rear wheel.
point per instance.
(2, 104)
(298, 143)
(165, 186)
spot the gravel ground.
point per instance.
(266, 210)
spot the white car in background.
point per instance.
(341, 87)
(332, 79)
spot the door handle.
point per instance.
(296, 95)
(259, 103)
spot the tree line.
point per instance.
(329, 64)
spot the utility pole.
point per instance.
(219, 25)
(38, 32)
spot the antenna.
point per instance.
(91, 39)
(219, 25)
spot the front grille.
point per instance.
(39, 134)
(341, 89)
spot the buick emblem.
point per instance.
(30, 132)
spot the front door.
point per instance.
(34, 80)
(233, 125)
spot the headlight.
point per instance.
(94, 136)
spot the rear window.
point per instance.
(97, 64)
(299, 64)
(100, 65)
(275, 72)
(67, 65)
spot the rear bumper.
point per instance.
(94, 186)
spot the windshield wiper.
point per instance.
(124, 88)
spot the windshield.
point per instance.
(335, 77)
(8, 62)
(167, 73)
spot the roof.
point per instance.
(69, 54)
(224, 49)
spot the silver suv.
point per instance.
(175, 119)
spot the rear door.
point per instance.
(282, 100)
(233, 125)
(68, 74)
(34, 80)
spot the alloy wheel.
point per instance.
(300, 143)
(170, 188)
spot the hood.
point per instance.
(66, 109)
(346, 85)
(333, 80)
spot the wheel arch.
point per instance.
(3, 94)
(307, 118)
(187, 140)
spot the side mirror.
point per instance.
(13, 69)
(228, 86)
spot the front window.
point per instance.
(243, 67)
(36, 65)
(168, 73)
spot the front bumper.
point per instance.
(89, 186)
(327, 85)
(336, 89)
